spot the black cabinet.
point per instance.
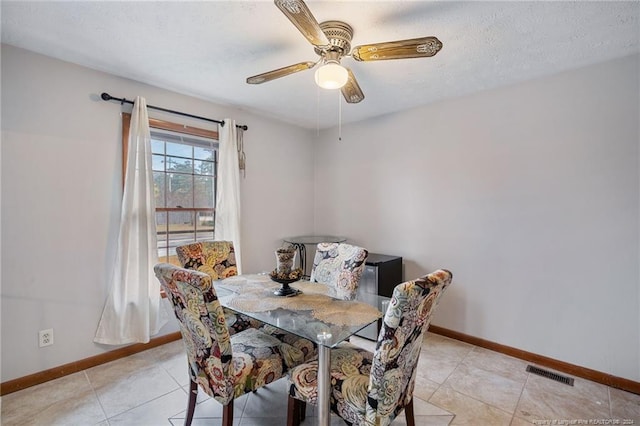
(380, 276)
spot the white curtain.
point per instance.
(227, 224)
(133, 312)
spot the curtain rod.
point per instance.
(107, 97)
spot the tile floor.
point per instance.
(457, 384)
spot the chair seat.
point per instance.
(238, 322)
(295, 349)
(258, 359)
(308, 348)
(350, 368)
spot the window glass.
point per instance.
(159, 188)
(158, 162)
(157, 147)
(203, 191)
(179, 150)
(202, 153)
(184, 189)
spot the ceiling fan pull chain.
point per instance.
(339, 116)
(317, 110)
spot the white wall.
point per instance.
(528, 194)
(61, 191)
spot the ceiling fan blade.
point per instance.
(280, 72)
(351, 90)
(422, 47)
(300, 15)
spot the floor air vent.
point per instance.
(549, 375)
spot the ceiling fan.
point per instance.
(332, 42)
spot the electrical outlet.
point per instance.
(45, 337)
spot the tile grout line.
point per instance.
(520, 397)
(243, 409)
(440, 384)
(472, 397)
(93, 389)
(435, 405)
(180, 386)
(144, 403)
(479, 400)
(458, 364)
(491, 372)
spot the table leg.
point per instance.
(324, 385)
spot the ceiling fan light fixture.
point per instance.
(331, 75)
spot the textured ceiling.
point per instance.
(207, 49)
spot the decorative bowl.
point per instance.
(285, 280)
(292, 276)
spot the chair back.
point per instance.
(203, 327)
(216, 258)
(340, 266)
(395, 359)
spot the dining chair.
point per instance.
(340, 266)
(373, 388)
(218, 259)
(224, 366)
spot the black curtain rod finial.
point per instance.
(239, 126)
(105, 96)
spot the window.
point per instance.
(184, 176)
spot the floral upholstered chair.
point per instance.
(218, 259)
(224, 366)
(373, 388)
(339, 265)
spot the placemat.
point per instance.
(257, 296)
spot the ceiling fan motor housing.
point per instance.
(339, 34)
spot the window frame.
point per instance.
(177, 128)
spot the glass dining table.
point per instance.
(314, 314)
